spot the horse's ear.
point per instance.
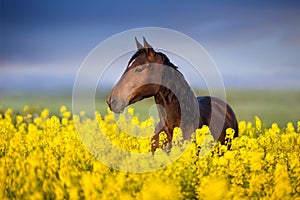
(149, 49)
(138, 45)
(146, 44)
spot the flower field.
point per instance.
(44, 157)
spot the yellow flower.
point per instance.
(201, 135)
(82, 113)
(130, 110)
(257, 124)
(290, 127)
(63, 109)
(229, 133)
(282, 188)
(242, 127)
(45, 113)
(19, 119)
(135, 120)
(275, 128)
(67, 114)
(177, 136)
(157, 189)
(215, 189)
(26, 108)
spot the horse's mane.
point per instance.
(165, 58)
(167, 62)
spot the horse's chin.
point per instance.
(118, 110)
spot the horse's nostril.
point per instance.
(112, 102)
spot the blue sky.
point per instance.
(255, 44)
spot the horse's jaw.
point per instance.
(135, 99)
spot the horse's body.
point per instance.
(150, 73)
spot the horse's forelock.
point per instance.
(137, 54)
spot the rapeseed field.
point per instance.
(59, 157)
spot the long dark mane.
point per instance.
(167, 61)
(178, 100)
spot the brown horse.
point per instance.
(150, 73)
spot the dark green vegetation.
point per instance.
(270, 105)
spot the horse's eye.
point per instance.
(138, 70)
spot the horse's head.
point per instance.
(140, 80)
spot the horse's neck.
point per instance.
(180, 107)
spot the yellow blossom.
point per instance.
(130, 110)
(26, 108)
(290, 127)
(63, 109)
(45, 113)
(19, 119)
(67, 114)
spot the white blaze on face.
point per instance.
(130, 64)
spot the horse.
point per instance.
(151, 74)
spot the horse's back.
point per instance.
(218, 115)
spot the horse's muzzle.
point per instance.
(115, 106)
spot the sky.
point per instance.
(254, 44)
